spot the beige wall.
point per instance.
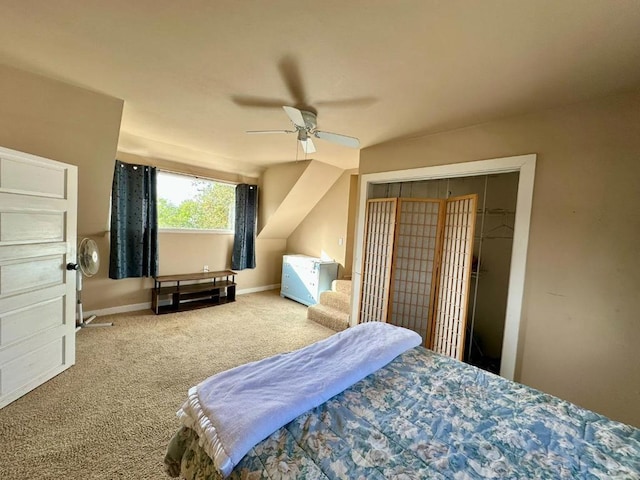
(69, 124)
(303, 192)
(351, 224)
(65, 123)
(581, 332)
(183, 252)
(275, 184)
(320, 232)
(189, 252)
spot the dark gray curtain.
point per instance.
(244, 241)
(134, 222)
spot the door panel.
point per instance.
(19, 324)
(30, 175)
(31, 274)
(38, 363)
(417, 267)
(414, 274)
(377, 255)
(31, 227)
(37, 294)
(450, 316)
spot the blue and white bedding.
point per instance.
(428, 416)
(234, 410)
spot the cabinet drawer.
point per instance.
(299, 292)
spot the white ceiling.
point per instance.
(374, 69)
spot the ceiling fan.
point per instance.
(302, 114)
(305, 123)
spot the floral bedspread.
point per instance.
(429, 416)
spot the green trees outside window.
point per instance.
(195, 204)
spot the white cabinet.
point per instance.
(303, 277)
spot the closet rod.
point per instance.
(493, 237)
(495, 211)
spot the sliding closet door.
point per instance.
(414, 271)
(377, 255)
(450, 316)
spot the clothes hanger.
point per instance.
(503, 225)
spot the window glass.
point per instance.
(192, 203)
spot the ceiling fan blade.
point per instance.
(259, 102)
(269, 131)
(337, 138)
(348, 102)
(296, 116)
(290, 71)
(307, 145)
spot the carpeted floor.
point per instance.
(112, 414)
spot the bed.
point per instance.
(424, 415)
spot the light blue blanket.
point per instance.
(234, 410)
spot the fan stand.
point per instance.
(85, 323)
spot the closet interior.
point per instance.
(436, 260)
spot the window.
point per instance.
(191, 203)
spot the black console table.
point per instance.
(193, 290)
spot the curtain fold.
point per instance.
(244, 241)
(134, 222)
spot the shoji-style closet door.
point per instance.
(450, 316)
(414, 271)
(378, 250)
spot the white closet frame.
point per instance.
(525, 165)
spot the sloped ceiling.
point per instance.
(376, 69)
(310, 186)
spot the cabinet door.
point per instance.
(309, 273)
(286, 274)
(297, 280)
(287, 280)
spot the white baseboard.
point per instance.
(147, 305)
(119, 309)
(264, 288)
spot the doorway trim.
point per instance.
(525, 165)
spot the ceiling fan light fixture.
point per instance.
(305, 123)
(307, 145)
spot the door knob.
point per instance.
(72, 266)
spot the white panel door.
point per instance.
(38, 202)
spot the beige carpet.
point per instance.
(112, 414)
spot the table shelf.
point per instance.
(193, 290)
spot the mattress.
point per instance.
(428, 416)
